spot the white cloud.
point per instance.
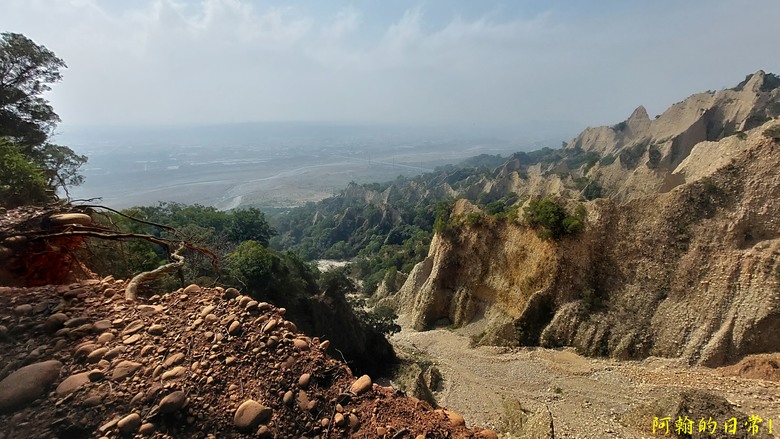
(343, 24)
(176, 61)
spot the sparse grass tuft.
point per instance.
(513, 417)
(476, 338)
(773, 133)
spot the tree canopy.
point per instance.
(27, 122)
(26, 70)
(552, 218)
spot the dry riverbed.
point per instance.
(503, 388)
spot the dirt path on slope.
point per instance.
(588, 398)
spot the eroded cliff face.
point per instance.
(638, 156)
(646, 150)
(693, 272)
(478, 274)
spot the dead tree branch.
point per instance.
(132, 286)
(99, 233)
(132, 218)
(30, 224)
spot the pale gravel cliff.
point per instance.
(680, 259)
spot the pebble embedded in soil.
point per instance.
(300, 345)
(102, 325)
(129, 424)
(156, 329)
(361, 385)
(176, 372)
(487, 434)
(55, 322)
(23, 309)
(105, 337)
(174, 359)
(173, 402)
(192, 289)
(250, 414)
(96, 355)
(455, 419)
(146, 429)
(132, 339)
(124, 369)
(73, 382)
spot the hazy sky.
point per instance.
(441, 62)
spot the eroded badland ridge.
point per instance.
(678, 258)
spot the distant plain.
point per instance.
(271, 165)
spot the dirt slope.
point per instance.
(79, 361)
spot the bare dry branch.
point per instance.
(138, 220)
(132, 286)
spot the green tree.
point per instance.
(26, 70)
(250, 225)
(255, 265)
(553, 219)
(20, 180)
(60, 165)
(26, 118)
(274, 276)
(336, 284)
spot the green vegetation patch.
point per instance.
(773, 133)
(31, 168)
(21, 181)
(553, 220)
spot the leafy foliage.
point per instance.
(543, 156)
(60, 165)
(269, 273)
(28, 120)
(20, 181)
(221, 232)
(631, 155)
(592, 191)
(607, 160)
(381, 318)
(26, 70)
(552, 219)
(576, 157)
(249, 225)
(771, 81)
(620, 126)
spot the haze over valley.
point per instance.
(273, 165)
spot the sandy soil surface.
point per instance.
(587, 397)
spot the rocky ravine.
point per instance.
(80, 361)
(691, 273)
